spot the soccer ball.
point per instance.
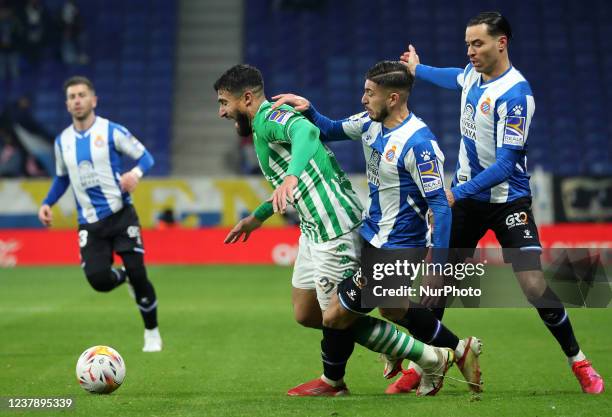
(100, 369)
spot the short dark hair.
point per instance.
(391, 74)
(239, 78)
(496, 23)
(76, 80)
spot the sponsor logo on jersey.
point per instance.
(87, 176)
(280, 116)
(514, 130)
(516, 219)
(430, 176)
(373, 167)
(390, 154)
(485, 106)
(468, 126)
(425, 155)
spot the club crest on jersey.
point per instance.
(280, 116)
(430, 176)
(425, 155)
(390, 154)
(99, 141)
(514, 130)
(485, 106)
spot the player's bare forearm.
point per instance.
(243, 229)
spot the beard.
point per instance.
(84, 116)
(243, 125)
(380, 116)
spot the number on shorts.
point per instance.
(82, 238)
(326, 285)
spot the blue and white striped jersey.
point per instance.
(404, 172)
(494, 115)
(92, 161)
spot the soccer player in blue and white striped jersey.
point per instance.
(491, 185)
(88, 158)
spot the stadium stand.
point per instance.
(322, 49)
(131, 48)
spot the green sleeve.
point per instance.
(263, 211)
(304, 137)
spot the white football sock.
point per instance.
(576, 358)
(331, 382)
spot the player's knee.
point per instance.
(307, 318)
(100, 280)
(337, 317)
(533, 291)
(532, 283)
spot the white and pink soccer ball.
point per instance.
(100, 369)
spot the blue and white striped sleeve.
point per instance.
(127, 144)
(514, 120)
(60, 165)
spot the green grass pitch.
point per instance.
(231, 348)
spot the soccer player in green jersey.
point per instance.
(305, 173)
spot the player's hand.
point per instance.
(284, 193)
(299, 103)
(450, 197)
(45, 215)
(243, 228)
(410, 59)
(129, 181)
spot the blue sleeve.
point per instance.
(490, 177)
(331, 130)
(442, 77)
(146, 161)
(57, 190)
(442, 219)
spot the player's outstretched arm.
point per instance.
(332, 130)
(451, 78)
(299, 103)
(58, 188)
(243, 229)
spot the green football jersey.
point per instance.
(287, 143)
